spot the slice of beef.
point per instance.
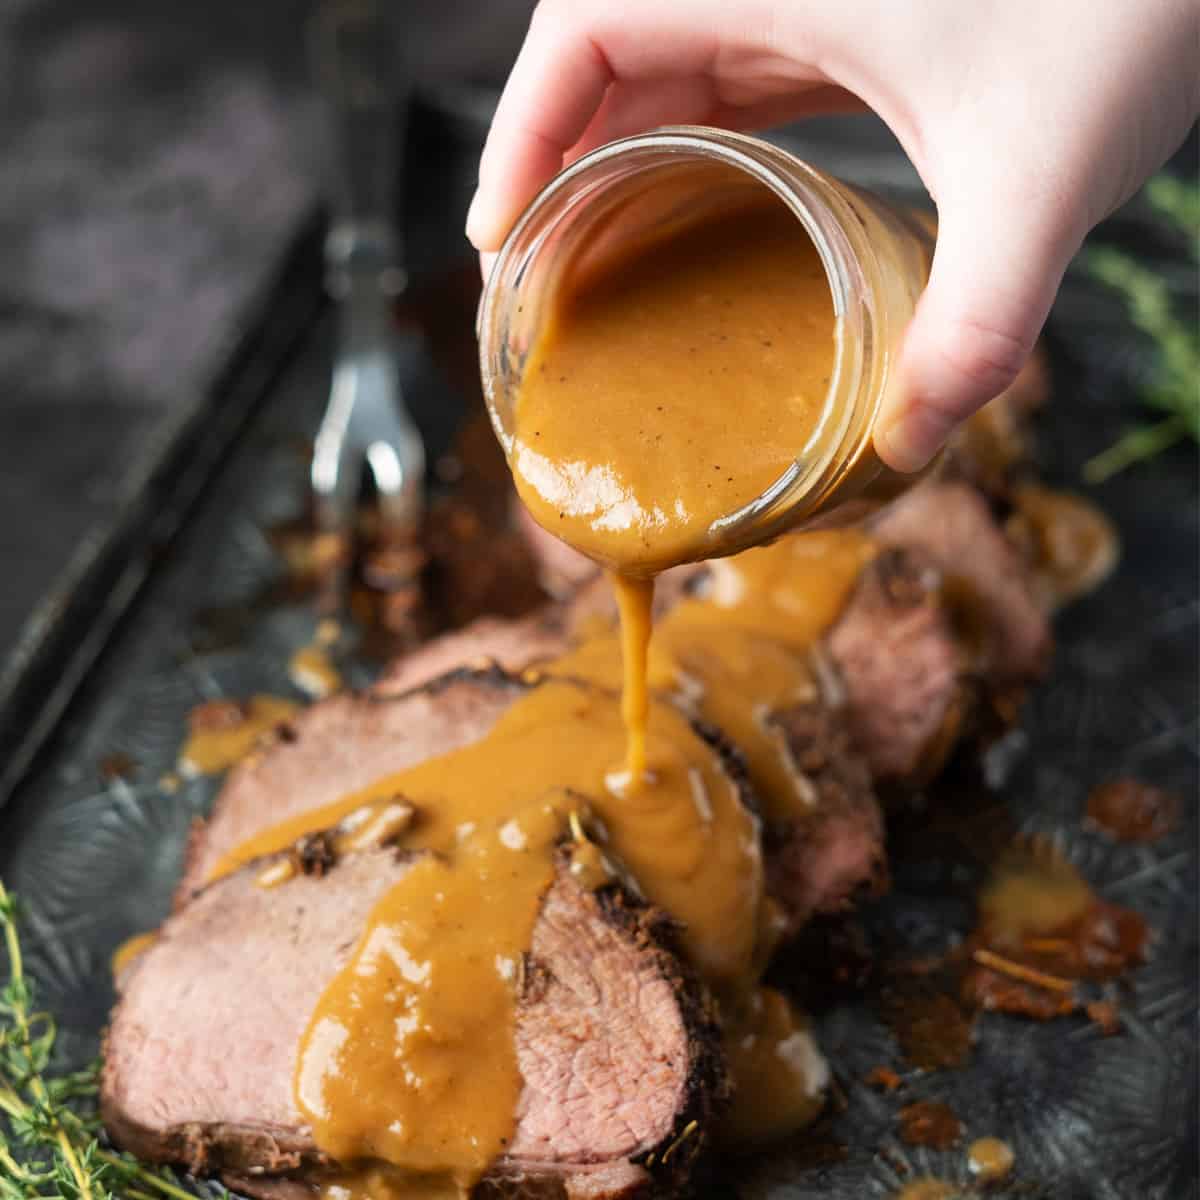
(342, 744)
(201, 1049)
(822, 863)
(903, 668)
(952, 524)
(338, 747)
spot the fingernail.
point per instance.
(476, 225)
(908, 442)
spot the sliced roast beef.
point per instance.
(902, 666)
(952, 524)
(338, 747)
(200, 1054)
(821, 862)
(347, 742)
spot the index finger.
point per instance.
(556, 85)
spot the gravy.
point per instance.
(672, 385)
(223, 732)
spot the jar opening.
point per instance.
(639, 187)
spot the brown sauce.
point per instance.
(1072, 546)
(129, 950)
(418, 989)
(990, 1160)
(929, 1189)
(740, 651)
(673, 385)
(635, 602)
(679, 829)
(312, 671)
(779, 1075)
(1042, 930)
(223, 732)
(117, 765)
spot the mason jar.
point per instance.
(876, 258)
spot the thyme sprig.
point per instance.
(1174, 387)
(50, 1147)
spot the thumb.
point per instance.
(997, 266)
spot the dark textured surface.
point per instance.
(1089, 1117)
(96, 860)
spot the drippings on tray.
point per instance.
(930, 1123)
(223, 732)
(1132, 811)
(989, 1159)
(1041, 931)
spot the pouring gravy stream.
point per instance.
(669, 389)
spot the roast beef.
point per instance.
(347, 742)
(340, 746)
(905, 671)
(200, 1054)
(823, 862)
(952, 524)
(510, 644)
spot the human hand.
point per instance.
(1028, 120)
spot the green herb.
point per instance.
(50, 1146)
(1174, 388)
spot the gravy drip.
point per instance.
(737, 653)
(635, 605)
(223, 732)
(672, 385)
(129, 950)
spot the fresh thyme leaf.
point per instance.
(50, 1146)
(1174, 387)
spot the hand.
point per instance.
(1028, 120)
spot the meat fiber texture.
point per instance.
(615, 1042)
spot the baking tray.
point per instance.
(94, 853)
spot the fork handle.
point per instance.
(358, 61)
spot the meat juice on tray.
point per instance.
(526, 913)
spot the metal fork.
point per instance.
(367, 425)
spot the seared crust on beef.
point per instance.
(511, 645)
(200, 1054)
(824, 863)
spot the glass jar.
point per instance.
(875, 257)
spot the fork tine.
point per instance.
(336, 471)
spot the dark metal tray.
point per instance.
(95, 858)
